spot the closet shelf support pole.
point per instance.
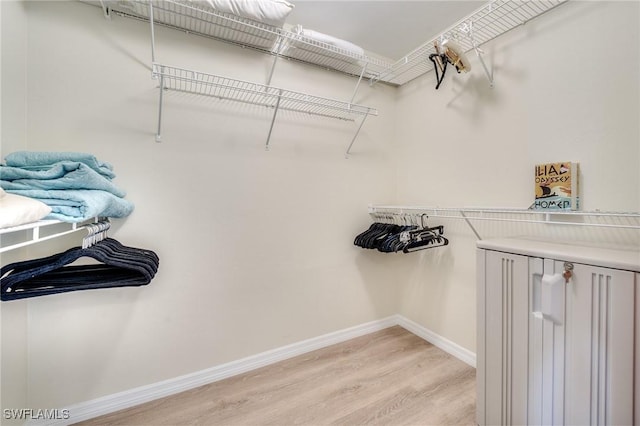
(275, 59)
(358, 83)
(468, 28)
(153, 38)
(466, 219)
(106, 10)
(273, 119)
(159, 133)
(486, 70)
(346, 155)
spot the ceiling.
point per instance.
(385, 27)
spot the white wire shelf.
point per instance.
(36, 237)
(204, 84)
(200, 83)
(494, 19)
(329, 56)
(195, 18)
(599, 219)
(191, 17)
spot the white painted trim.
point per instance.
(121, 400)
(446, 345)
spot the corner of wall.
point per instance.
(13, 316)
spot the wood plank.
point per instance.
(387, 377)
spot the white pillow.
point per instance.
(17, 210)
(330, 40)
(272, 12)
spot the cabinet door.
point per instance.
(546, 344)
(636, 403)
(502, 338)
(599, 334)
(552, 351)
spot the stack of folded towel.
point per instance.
(76, 186)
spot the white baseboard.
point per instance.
(121, 400)
(446, 345)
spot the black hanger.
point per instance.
(391, 238)
(440, 61)
(120, 266)
(426, 238)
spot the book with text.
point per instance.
(556, 186)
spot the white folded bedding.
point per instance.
(272, 12)
(330, 40)
(17, 210)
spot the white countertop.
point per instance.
(628, 260)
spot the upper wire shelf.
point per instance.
(189, 16)
(495, 18)
(316, 52)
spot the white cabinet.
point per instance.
(502, 338)
(636, 387)
(552, 350)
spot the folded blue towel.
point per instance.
(35, 160)
(80, 204)
(62, 175)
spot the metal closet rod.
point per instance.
(461, 213)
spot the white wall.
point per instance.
(255, 246)
(13, 317)
(566, 89)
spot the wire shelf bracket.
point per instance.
(468, 28)
(346, 155)
(106, 10)
(273, 119)
(277, 51)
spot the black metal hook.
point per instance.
(442, 59)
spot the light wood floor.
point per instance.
(390, 377)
